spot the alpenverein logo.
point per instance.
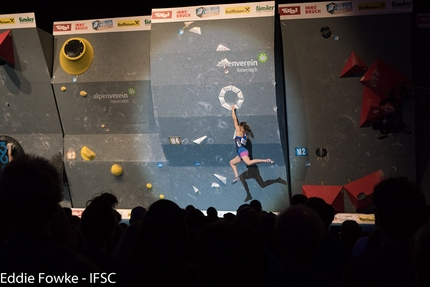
(372, 6)
(238, 10)
(7, 20)
(128, 23)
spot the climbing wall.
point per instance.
(29, 118)
(203, 60)
(347, 76)
(102, 86)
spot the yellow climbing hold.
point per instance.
(116, 169)
(87, 154)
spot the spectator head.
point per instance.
(137, 214)
(350, 232)
(323, 209)
(30, 190)
(399, 207)
(298, 233)
(98, 222)
(256, 205)
(297, 199)
(212, 212)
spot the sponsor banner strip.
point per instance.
(342, 9)
(123, 24)
(214, 12)
(16, 21)
(125, 213)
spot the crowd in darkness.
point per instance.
(166, 245)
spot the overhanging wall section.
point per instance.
(330, 114)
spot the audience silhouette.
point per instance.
(166, 245)
(30, 192)
(399, 212)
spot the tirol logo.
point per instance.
(423, 20)
(101, 25)
(7, 20)
(25, 20)
(312, 9)
(266, 8)
(204, 12)
(337, 8)
(290, 10)
(401, 4)
(162, 15)
(62, 27)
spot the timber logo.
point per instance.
(401, 4)
(290, 10)
(25, 20)
(266, 8)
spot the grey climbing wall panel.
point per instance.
(203, 59)
(28, 113)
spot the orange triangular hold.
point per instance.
(354, 67)
(6, 47)
(360, 191)
(332, 194)
(382, 78)
(369, 108)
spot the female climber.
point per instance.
(241, 138)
